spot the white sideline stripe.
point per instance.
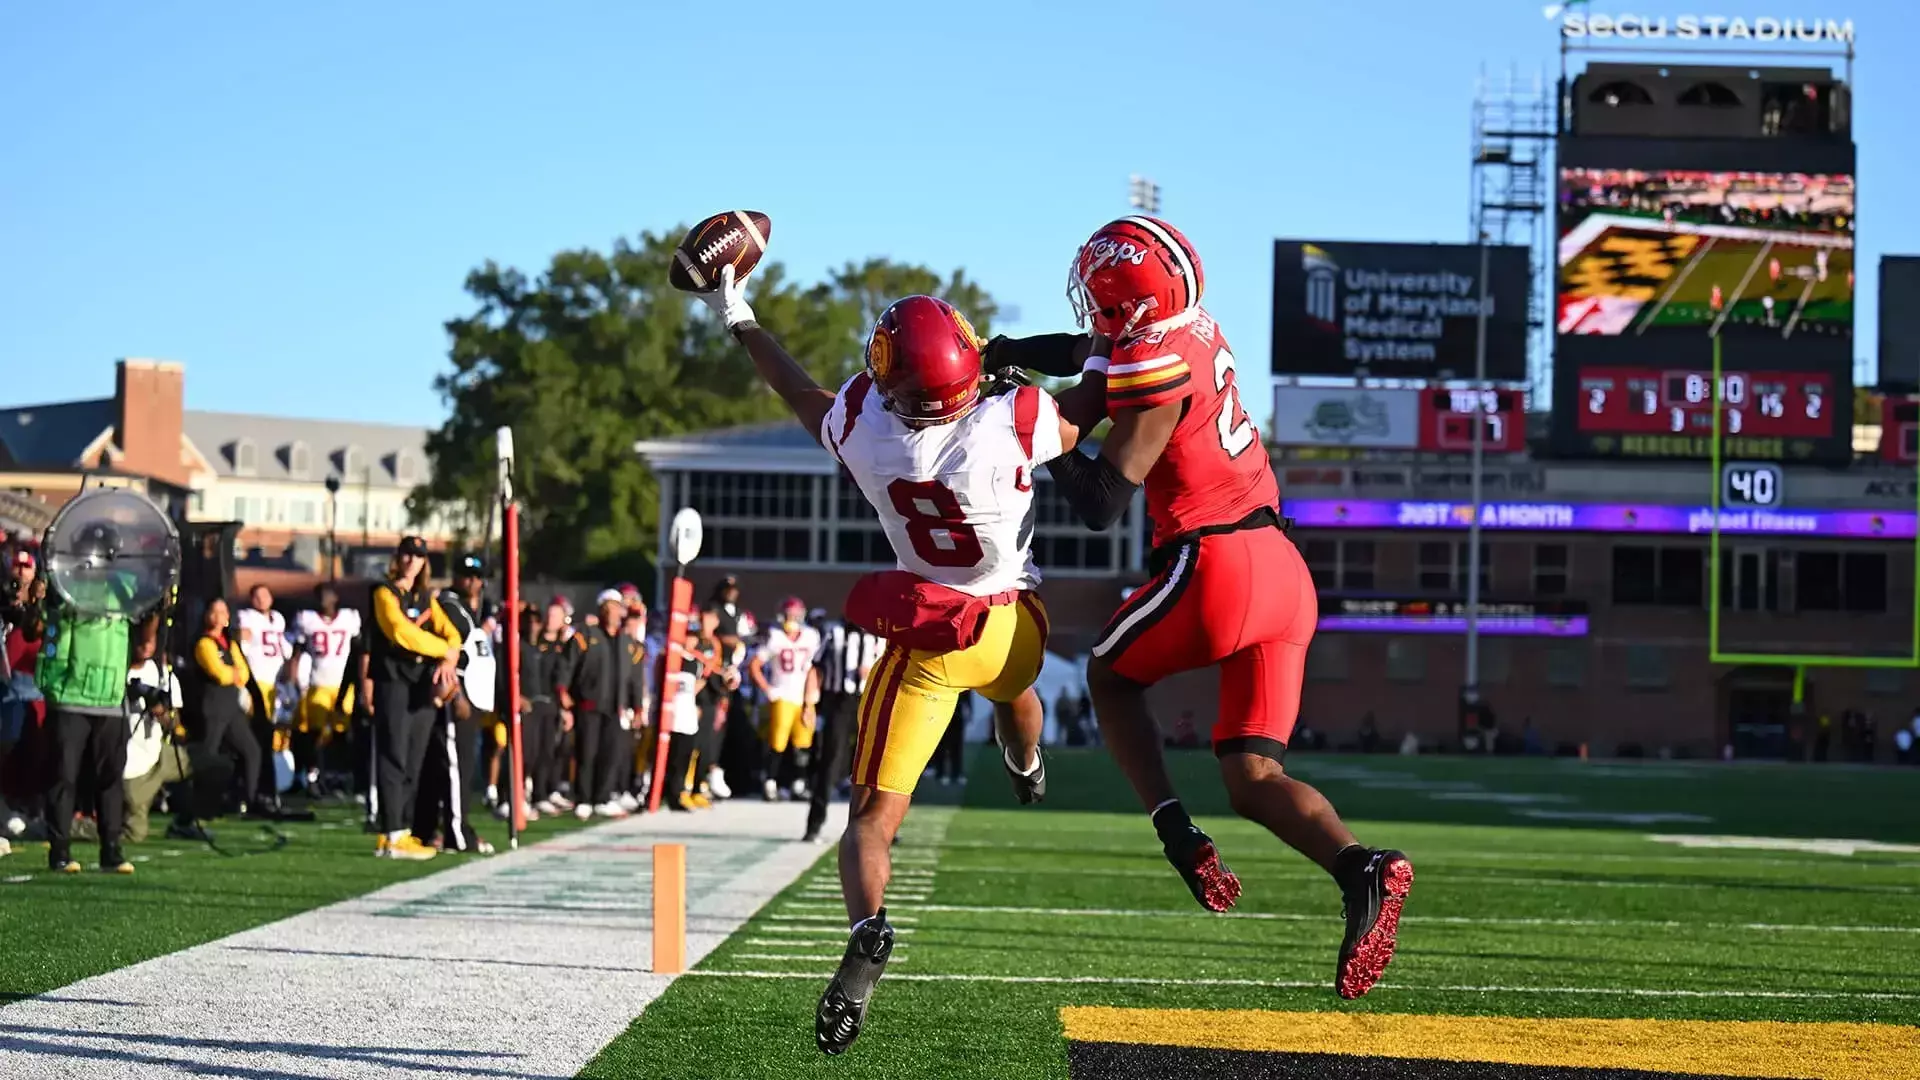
(1444, 920)
(299, 997)
(1321, 984)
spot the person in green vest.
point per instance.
(83, 674)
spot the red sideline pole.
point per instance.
(679, 606)
(510, 555)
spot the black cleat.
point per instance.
(1192, 854)
(1031, 787)
(843, 1008)
(1373, 898)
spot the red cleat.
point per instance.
(1373, 906)
(1200, 867)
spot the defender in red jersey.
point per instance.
(1229, 589)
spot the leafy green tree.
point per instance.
(600, 351)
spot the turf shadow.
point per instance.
(13, 1039)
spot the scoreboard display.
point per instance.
(1646, 401)
(1764, 415)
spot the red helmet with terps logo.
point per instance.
(1132, 272)
(925, 360)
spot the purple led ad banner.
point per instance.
(1507, 626)
(1598, 517)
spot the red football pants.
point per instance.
(1243, 600)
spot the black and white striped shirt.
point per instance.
(846, 651)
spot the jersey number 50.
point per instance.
(933, 514)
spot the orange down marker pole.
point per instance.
(669, 909)
(679, 608)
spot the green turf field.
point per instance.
(1010, 916)
(185, 894)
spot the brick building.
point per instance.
(268, 473)
(1618, 552)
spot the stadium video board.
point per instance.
(1404, 311)
(1654, 264)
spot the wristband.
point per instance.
(1094, 365)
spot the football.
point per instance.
(737, 237)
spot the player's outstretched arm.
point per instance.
(1099, 488)
(808, 399)
(1057, 356)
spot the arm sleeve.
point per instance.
(207, 655)
(1142, 380)
(1096, 488)
(1056, 355)
(400, 630)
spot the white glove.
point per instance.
(729, 301)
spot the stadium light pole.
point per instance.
(1471, 689)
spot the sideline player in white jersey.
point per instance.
(263, 641)
(327, 632)
(949, 468)
(782, 670)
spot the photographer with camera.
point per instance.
(155, 757)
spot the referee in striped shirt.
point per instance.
(847, 655)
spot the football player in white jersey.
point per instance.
(949, 468)
(328, 631)
(782, 670)
(263, 641)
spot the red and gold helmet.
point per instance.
(1132, 272)
(924, 357)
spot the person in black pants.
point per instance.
(452, 757)
(223, 701)
(601, 681)
(847, 655)
(412, 658)
(540, 661)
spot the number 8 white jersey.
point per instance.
(955, 499)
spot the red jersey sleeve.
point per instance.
(1143, 378)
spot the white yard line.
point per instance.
(1466, 880)
(1322, 984)
(520, 966)
(1423, 920)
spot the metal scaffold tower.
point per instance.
(1513, 133)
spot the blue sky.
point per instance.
(288, 196)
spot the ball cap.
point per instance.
(609, 596)
(470, 566)
(22, 557)
(412, 545)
